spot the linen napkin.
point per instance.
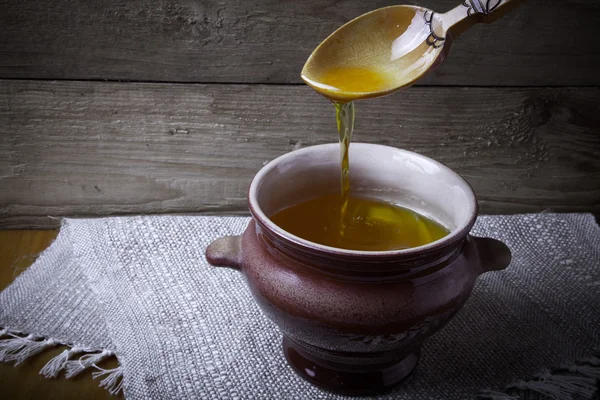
(140, 288)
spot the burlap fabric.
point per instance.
(140, 288)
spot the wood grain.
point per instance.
(93, 148)
(18, 250)
(542, 43)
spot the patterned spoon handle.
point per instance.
(466, 14)
(485, 7)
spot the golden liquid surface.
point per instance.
(353, 79)
(369, 225)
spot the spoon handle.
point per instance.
(480, 10)
(484, 7)
(463, 16)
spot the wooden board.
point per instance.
(93, 148)
(544, 42)
(18, 250)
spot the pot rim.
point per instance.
(452, 238)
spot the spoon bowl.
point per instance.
(389, 48)
(373, 55)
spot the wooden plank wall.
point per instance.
(153, 106)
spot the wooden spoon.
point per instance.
(389, 48)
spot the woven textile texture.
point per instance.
(141, 288)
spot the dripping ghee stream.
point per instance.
(344, 115)
(348, 80)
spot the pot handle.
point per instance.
(493, 254)
(225, 252)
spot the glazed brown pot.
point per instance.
(354, 321)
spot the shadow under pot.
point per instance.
(354, 321)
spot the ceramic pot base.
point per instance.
(348, 378)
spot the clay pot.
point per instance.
(354, 321)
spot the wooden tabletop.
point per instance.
(18, 250)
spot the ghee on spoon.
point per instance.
(389, 48)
